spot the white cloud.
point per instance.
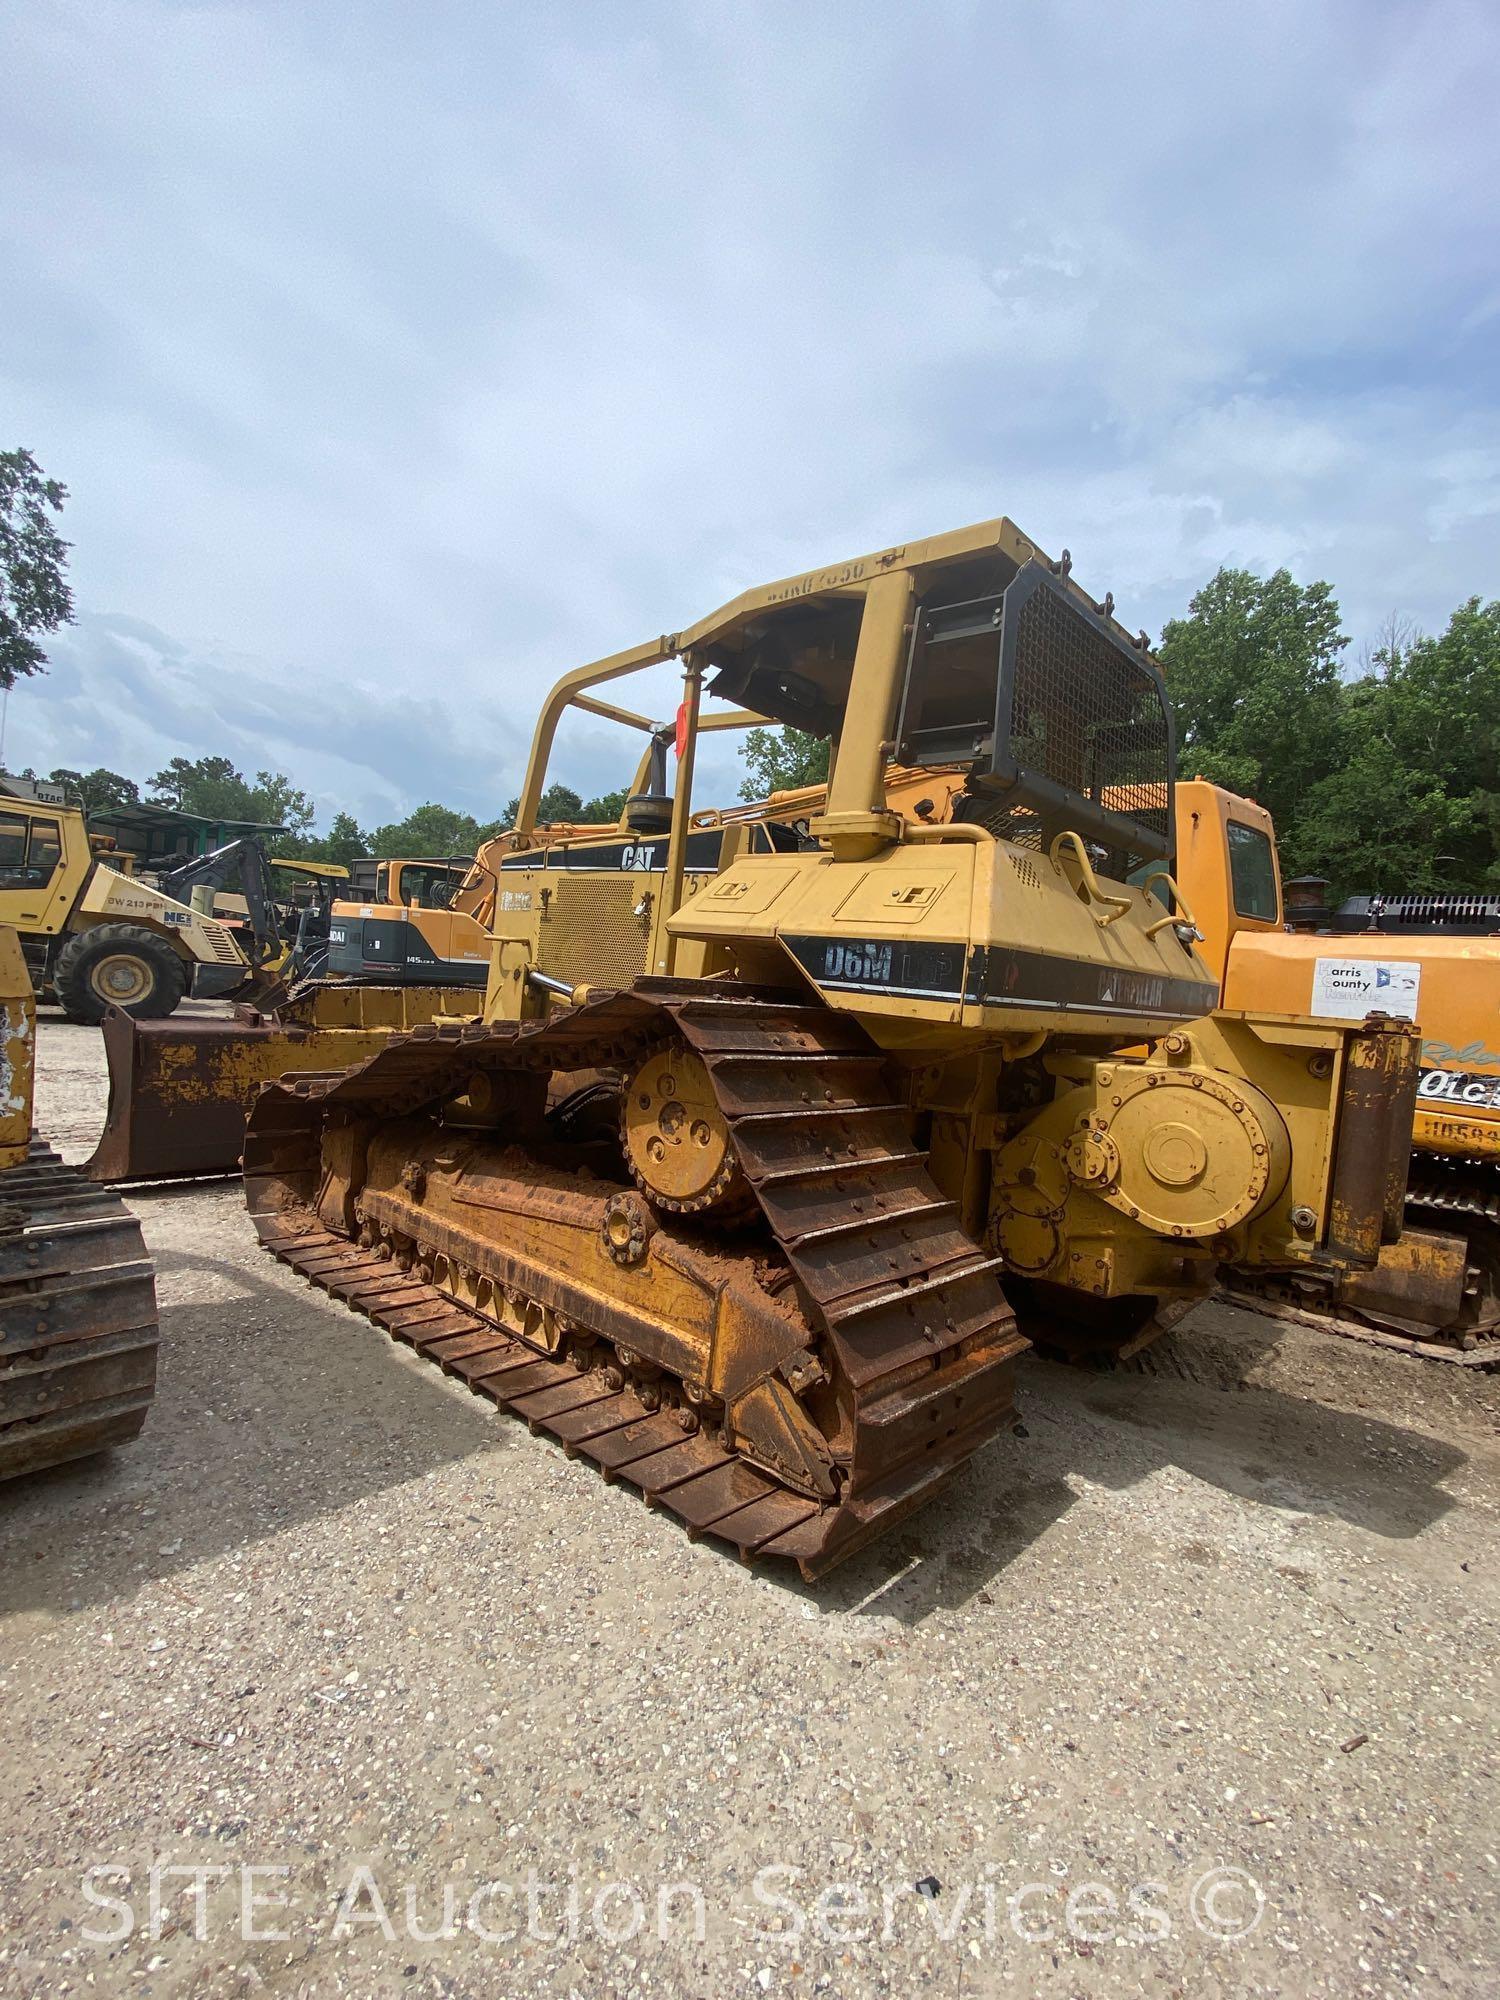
(408, 361)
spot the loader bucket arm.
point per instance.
(245, 858)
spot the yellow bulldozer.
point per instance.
(1433, 957)
(775, 1140)
(78, 1324)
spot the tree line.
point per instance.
(213, 788)
(1382, 773)
(1383, 777)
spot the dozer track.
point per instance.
(78, 1326)
(1462, 1205)
(880, 1324)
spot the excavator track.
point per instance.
(1456, 1199)
(78, 1325)
(894, 1320)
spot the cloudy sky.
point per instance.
(400, 357)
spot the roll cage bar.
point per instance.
(835, 651)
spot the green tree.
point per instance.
(345, 841)
(606, 809)
(783, 760)
(431, 829)
(34, 593)
(1253, 677)
(281, 803)
(560, 805)
(1411, 797)
(98, 789)
(214, 789)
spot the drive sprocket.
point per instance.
(676, 1139)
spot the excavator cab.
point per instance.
(1228, 868)
(425, 885)
(405, 922)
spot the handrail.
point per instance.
(1183, 915)
(1116, 905)
(952, 829)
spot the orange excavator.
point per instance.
(1433, 958)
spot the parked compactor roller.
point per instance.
(78, 1329)
(94, 937)
(776, 1140)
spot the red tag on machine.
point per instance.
(682, 727)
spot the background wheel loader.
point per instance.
(78, 1327)
(96, 938)
(774, 1142)
(404, 946)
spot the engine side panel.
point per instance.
(1449, 985)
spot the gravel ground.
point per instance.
(1191, 1688)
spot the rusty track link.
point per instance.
(1472, 1194)
(905, 1306)
(78, 1326)
(1458, 1198)
(1465, 1198)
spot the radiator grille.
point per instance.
(221, 945)
(1440, 909)
(590, 934)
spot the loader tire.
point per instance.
(118, 965)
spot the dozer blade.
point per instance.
(181, 1090)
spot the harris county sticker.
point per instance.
(1350, 988)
